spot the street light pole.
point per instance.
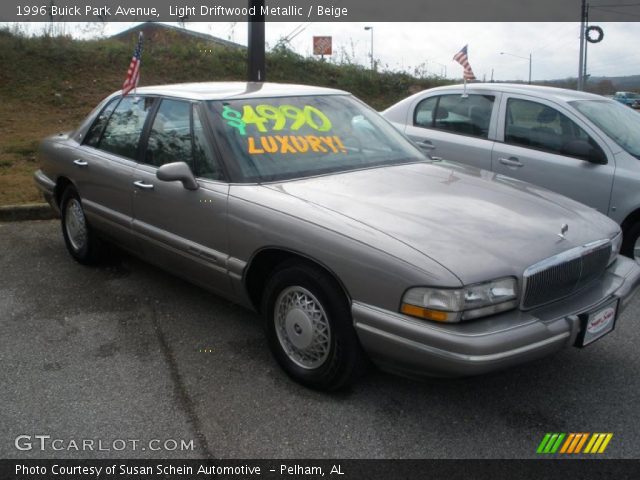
(372, 62)
(530, 58)
(444, 68)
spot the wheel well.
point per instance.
(266, 261)
(61, 186)
(632, 218)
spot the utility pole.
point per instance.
(586, 47)
(256, 67)
(582, 45)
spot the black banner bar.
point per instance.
(331, 469)
(314, 11)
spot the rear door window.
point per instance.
(463, 115)
(92, 138)
(122, 133)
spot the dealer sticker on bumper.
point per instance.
(597, 324)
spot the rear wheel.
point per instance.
(81, 242)
(309, 328)
(631, 241)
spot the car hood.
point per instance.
(475, 223)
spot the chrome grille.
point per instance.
(560, 276)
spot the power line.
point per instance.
(595, 5)
(297, 31)
(615, 11)
(556, 38)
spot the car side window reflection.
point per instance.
(170, 135)
(424, 112)
(464, 115)
(92, 138)
(535, 125)
(206, 165)
(122, 133)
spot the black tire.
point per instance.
(87, 250)
(345, 360)
(629, 239)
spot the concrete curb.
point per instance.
(29, 211)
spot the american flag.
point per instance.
(462, 59)
(133, 74)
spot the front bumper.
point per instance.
(414, 347)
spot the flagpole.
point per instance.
(133, 73)
(462, 58)
(135, 88)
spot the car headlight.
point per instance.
(616, 244)
(458, 304)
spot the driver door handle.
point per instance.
(426, 144)
(145, 186)
(80, 163)
(511, 162)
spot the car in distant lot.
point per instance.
(630, 99)
(306, 205)
(581, 145)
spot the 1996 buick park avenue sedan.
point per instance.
(306, 205)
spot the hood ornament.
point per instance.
(563, 229)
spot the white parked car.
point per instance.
(581, 145)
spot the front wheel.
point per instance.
(631, 241)
(309, 328)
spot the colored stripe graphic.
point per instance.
(543, 443)
(568, 443)
(550, 443)
(572, 443)
(598, 443)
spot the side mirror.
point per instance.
(584, 150)
(177, 172)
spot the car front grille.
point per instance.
(563, 274)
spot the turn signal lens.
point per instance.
(428, 314)
(616, 243)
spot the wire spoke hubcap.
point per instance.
(302, 327)
(75, 224)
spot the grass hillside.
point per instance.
(48, 84)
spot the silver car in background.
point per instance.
(581, 145)
(306, 205)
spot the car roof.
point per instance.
(552, 93)
(235, 90)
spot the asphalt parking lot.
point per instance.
(126, 351)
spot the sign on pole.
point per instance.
(322, 46)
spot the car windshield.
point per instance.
(619, 122)
(280, 138)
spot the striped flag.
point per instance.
(462, 59)
(133, 74)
